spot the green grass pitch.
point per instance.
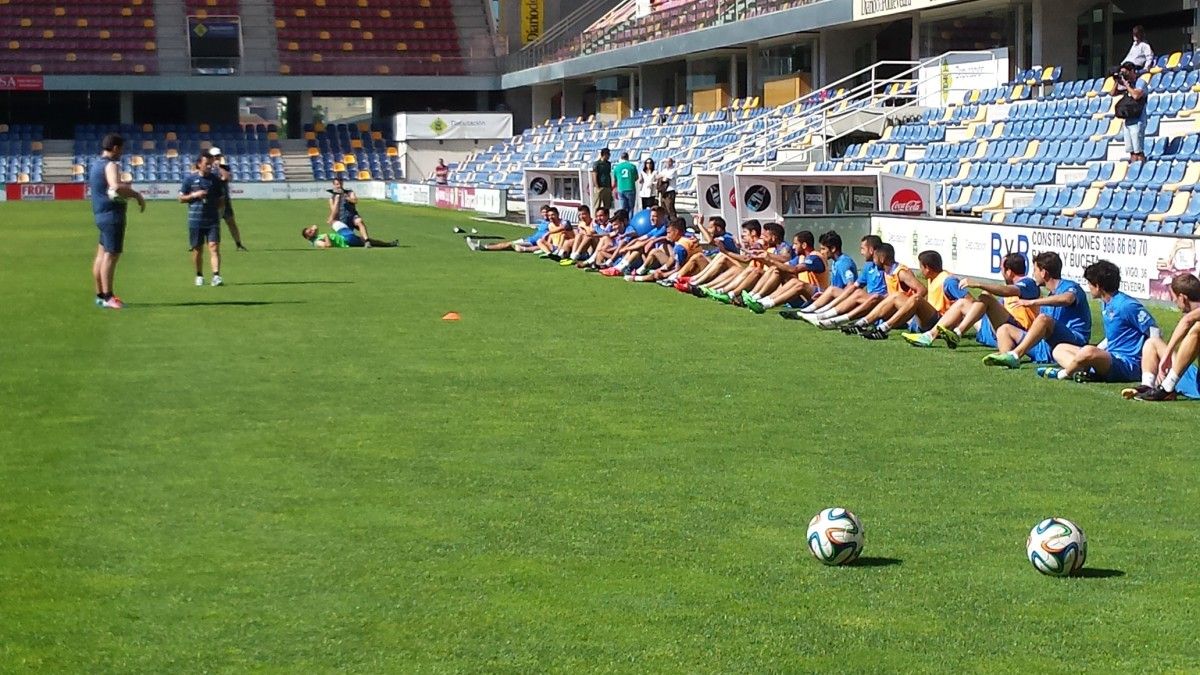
(308, 471)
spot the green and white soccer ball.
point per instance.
(1056, 547)
(835, 536)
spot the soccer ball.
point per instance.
(835, 536)
(1056, 547)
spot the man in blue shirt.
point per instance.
(804, 276)
(836, 307)
(522, 245)
(1065, 318)
(1168, 368)
(641, 238)
(206, 202)
(726, 261)
(666, 261)
(108, 207)
(1127, 326)
(223, 176)
(920, 310)
(775, 249)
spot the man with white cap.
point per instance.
(222, 176)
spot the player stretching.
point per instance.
(1065, 318)
(1127, 326)
(1168, 368)
(683, 248)
(986, 310)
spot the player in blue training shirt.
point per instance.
(807, 274)
(920, 310)
(775, 247)
(1168, 368)
(206, 203)
(522, 245)
(1127, 326)
(608, 243)
(986, 310)
(1065, 318)
(836, 306)
(666, 262)
(109, 195)
(720, 241)
(642, 238)
(728, 263)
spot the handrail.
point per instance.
(571, 26)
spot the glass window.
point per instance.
(785, 60)
(987, 30)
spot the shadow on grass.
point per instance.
(292, 283)
(876, 562)
(219, 303)
(1097, 573)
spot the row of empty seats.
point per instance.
(20, 153)
(165, 153)
(79, 37)
(355, 151)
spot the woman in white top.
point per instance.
(648, 184)
(1140, 54)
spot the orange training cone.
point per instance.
(451, 316)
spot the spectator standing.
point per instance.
(625, 178)
(441, 174)
(648, 184)
(1141, 55)
(602, 182)
(1131, 107)
(666, 186)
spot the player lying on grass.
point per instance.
(666, 262)
(920, 310)
(774, 248)
(1064, 318)
(835, 307)
(1127, 326)
(646, 236)
(588, 232)
(987, 310)
(342, 236)
(801, 278)
(728, 261)
(900, 286)
(1168, 368)
(524, 245)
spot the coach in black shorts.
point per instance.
(223, 177)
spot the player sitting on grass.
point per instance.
(1168, 368)
(986, 310)
(558, 238)
(607, 244)
(1065, 318)
(524, 245)
(920, 310)
(774, 248)
(834, 308)
(665, 262)
(638, 244)
(728, 262)
(342, 236)
(719, 242)
(587, 234)
(802, 277)
(900, 285)
(1127, 326)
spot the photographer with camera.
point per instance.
(1131, 107)
(343, 207)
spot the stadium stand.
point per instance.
(20, 153)
(206, 8)
(354, 151)
(165, 153)
(334, 37)
(95, 37)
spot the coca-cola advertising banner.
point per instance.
(45, 192)
(909, 196)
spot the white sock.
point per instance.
(641, 270)
(883, 328)
(811, 318)
(827, 313)
(839, 320)
(1169, 382)
(862, 322)
(1015, 355)
(767, 303)
(1063, 374)
(1148, 379)
(673, 278)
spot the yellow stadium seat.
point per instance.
(172, 136)
(36, 146)
(313, 152)
(319, 127)
(77, 170)
(356, 143)
(126, 177)
(284, 69)
(347, 46)
(392, 152)
(274, 152)
(272, 135)
(204, 128)
(364, 175)
(363, 127)
(137, 160)
(59, 11)
(355, 24)
(403, 47)
(172, 153)
(419, 25)
(382, 69)
(377, 135)
(348, 159)
(339, 167)
(23, 178)
(1179, 204)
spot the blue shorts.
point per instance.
(1125, 369)
(986, 335)
(112, 236)
(197, 236)
(1189, 383)
(351, 237)
(1043, 351)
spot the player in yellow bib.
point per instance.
(921, 311)
(988, 310)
